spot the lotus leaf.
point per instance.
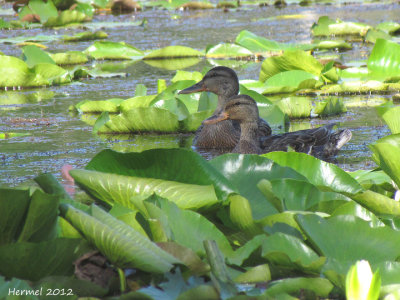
(33, 55)
(45, 10)
(120, 243)
(173, 63)
(16, 73)
(386, 152)
(113, 188)
(137, 101)
(89, 106)
(227, 50)
(166, 164)
(323, 175)
(245, 171)
(355, 87)
(66, 17)
(327, 26)
(332, 106)
(113, 50)
(38, 260)
(257, 274)
(392, 119)
(384, 59)
(389, 27)
(289, 251)
(320, 286)
(295, 107)
(290, 81)
(69, 58)
(290, 60)
(86, 36)
(173, 52)
(187, 228)
(185, 75)
(142, 119)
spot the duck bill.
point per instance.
(215, 119)
(198, 87)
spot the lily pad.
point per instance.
(331, 106)
(69, 58)
(173, 52)
(45, 10)
(290, 81)
(227, 50)
(384, 59)
(66, 17)
(326, 26)
(86, 36)
(290, 60)
(295, 107)
(113, 50)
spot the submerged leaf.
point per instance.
(173, 52)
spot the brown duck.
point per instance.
(321, 142)
(223, 82)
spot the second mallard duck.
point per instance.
(321, 142)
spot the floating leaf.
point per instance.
(331, 106)
(227, 50)
(173, 52)
(45, 10)
(69, 58)
(113, 50)
(290, 60)
(326, 26)
(86, 36)
(322, 174)
(391, 118)
(33, 55)
(66, 17)
(290, 81)
(120, 243)
(384, 59)
(295, 107)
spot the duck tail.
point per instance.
(340, 138)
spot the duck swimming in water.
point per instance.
(321, 142)
(223, 82)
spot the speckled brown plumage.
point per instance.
(320, 142)
(223, 82)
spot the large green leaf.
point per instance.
(34, 261)
(86, 36)
(13, 206)
(142, 119)
(331, 106)
(289, 251)
(391, 117)
(256, 43)
(188, 228)
(113, 188)
(120, 243)
(45, 10)
(290, 60)
(322, 174)
(97, 106)
(113, 50)
(69, 58)
(348, 238)
(245, 171)
(302, 196)
(386, 155)
(41, 219)
(227, 50)
(173, 52)
(384, 59)
(15, 72)
(168, 164)
(320, 286)
(290, 81)
(296, 107)
(66, 17)
(378, 203)
(33, 55)
(327, 26)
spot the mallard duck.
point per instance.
(321, 142)
(223, 82)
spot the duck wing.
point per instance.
(263, 128)
(300, 141)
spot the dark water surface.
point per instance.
(58, 137)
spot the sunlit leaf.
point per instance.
(113, 50)
(173, 52)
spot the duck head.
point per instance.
(221, 81)
(241, 108)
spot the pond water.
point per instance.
(58, 137)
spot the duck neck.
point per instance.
(221, 103)
(249, 132)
